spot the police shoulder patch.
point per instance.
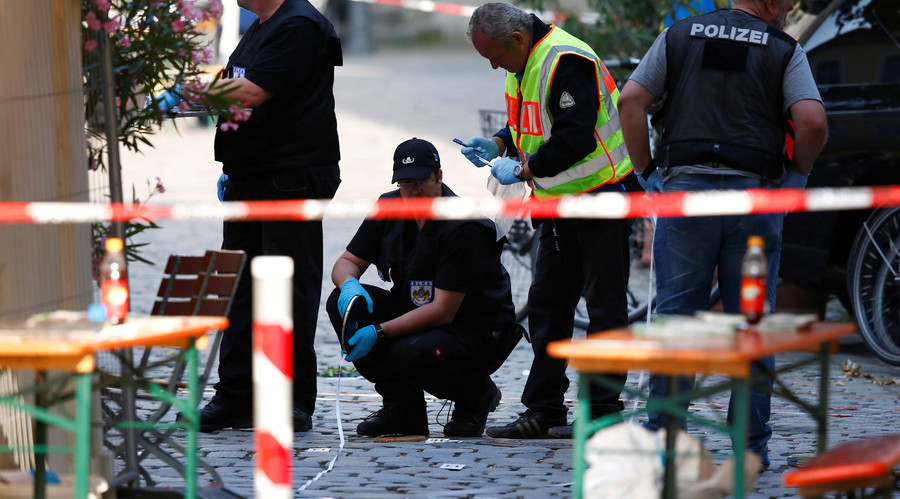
(566, 100)
(421, 292)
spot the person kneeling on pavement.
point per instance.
(447, 323)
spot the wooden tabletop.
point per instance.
(70, 343)
(620, 350)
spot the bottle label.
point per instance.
(753, 296)
(114, 293)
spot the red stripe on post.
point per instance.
(276, 343)
(273, 459)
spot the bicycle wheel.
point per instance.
(518, 256)
(874, 283)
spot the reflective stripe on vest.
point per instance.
(609, 162)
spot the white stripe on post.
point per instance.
(272, 374)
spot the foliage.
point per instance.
(342, 371)
(621, 28)
(154, 44)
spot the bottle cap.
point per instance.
(114, 244)
(96, 312)
(755, 241)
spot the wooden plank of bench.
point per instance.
(856, 464)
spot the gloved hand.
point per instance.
(503, 170)
(794, 180)
(480, 147)
(349, 289)
(220, 186)
(168, 99)
(361, 343)
(653, 182)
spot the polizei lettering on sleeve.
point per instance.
(722, 32)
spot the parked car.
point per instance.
(854, 53)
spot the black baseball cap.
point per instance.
(416, 159)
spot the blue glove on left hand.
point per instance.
(220, 186)
(503, 170)
(168, 99)
(361, 343)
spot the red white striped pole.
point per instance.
(273, 331)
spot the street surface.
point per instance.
(435, 94)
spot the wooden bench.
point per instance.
(857, 465)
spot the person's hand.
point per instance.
(349, 289)
(361, 343)
(480, 147)
(503, 169)
(794, 180)
(220, 186)
(652, 183)
(168, 99)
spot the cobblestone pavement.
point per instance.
(435, 94)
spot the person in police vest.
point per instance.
(563, 138)
(731, 78)
(447, 323)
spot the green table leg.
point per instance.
(193, 384)
(582, 429)
(741, 412)
(82, 434)
(669, 472)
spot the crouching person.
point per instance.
(448, 321)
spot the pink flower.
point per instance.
(214, 9)
(90, 45)
(111, 26)
(125, 42)
(228, 125)
(102, 5)
(159, 186)
(92, 21)
(239, 113)
(178, 26)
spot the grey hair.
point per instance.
(498, 21)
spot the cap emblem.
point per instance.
(408, 160)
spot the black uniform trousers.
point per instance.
(302, 241)
(450, 362)
(575, 257)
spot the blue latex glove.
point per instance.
(220, 186)
(503, 170)
(361, 343)
(480, 147)
(349, 289)
(168, 99)
(794, 180)
(652, 184)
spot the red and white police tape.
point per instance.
(604, 205)
(453, 9)
(273, 373)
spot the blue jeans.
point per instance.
(689, 251)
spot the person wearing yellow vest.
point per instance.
(564, 139)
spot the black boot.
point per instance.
(395, 420)
(469, 418)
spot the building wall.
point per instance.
(42, 155)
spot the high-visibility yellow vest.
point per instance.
(530, 120)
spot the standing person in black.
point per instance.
(283, 69)
(447, 323)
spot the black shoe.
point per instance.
(302, 420)
(394, 420)
(531, 424)
(469, 421)
(561, 431)
(215, 417)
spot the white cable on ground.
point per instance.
(340, 427)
